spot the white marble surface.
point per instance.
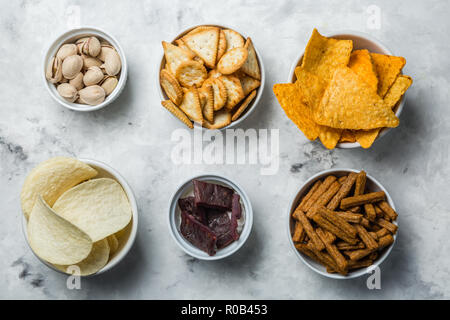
(133, 136)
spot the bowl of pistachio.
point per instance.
(84, 69)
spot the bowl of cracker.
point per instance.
(346, 89)
(210, 75)
(342, 223)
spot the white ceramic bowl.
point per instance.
(128, 236)
(174, 218)
(70, 37)
(360, 41)
(255, 101)
(372, 185)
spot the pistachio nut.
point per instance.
(104, 52)
(67, 91)
(71, 66)
(68, 49)
(64, 80)
(92, 95)
(112, 63)
(92, 76)
(54, 70)
(79, 43)
(91, 47)
(109, 83)
(90, 62)
(77, 82)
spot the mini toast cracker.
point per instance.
(222, 47)
(251, 66)
(191, 73)
(204, 42)
(232, 60)
(248, 83)
(234, 39)
(169, 105)
(191, 105)
(222, 118)
(175, 56)
(244, 106)
(207, 98)
(235, 93)
(171, 86)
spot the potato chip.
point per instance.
(388, 68)
(251, 66)
(222, 48)
(99, 207)
(350, 103)
(113, 244)
(361, 63)
(191, 74)
(220, 92)
(55, 239)
(191, 105)
(244, 105)
(97, 259)
(177, 112)
(291, 100)
(323, 55)
(52, 178)
(207, 99)
(234, 39)
(232, 60)
(204, 43)
(171, 86)
(248, 83)
(222, 118)
(367, 137)
(235, 93)
(175, 55)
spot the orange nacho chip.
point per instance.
(323, 55)
(347, 136)
(350, 103)
(395, 93)
(361, 63)
(388, 68)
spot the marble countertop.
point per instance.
(133, 136)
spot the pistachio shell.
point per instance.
(67, 91)
(92, 95)
(54, 70)
(63, 80)
(90, 62)
(92, 76)
(66, 50)
(109, 83)
(71, 66)
(104, 52)
(112, 63)
(91, 47)
(79, 43)
(77, 82)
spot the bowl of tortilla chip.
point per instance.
(211, 75)
(350, 87)
(83, 208)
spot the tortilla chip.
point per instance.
(347, 136)
(367, 137)
(291, 100)
(251, 66)
(329, 136)
(311, 87)
(235, 93)
(388, 68)
(361, 63)
(175, 55)
(204, 42)
(350, 103)
(323, 55)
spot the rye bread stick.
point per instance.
(392, 228)
(325, 259)
(349, 216)
(387, 209)
(373, 255)
(298, 232)
(337, 221)
(352, 265)
(362, 199)
(366, 237)
(385, 241)
(369, 209)
(328, 263)
(358, 254)
(373, 235)
(333, 251)
(327, 225)
(324, 198)
(342, 245)
(329, 236)
(344, 190)
(310, 231)
(382, 232)
(360, 183)
(319, 191)
(355, 209)
(309, 194)
(365, 223)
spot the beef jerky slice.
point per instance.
(187, 204)
(212, 195)
(198, 234)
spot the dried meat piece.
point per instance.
(224, 227)
(187, 204)
(212, 195)
(198, 234)
(236, 206)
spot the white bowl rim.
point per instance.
(58, 41)
(131, 238)
(306, 260)
(188, 247)
(259, 94)
(385, 49)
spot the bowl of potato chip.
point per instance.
(80, 215)
(211, 75)
(346, 89)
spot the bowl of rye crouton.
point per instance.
(342, 223)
